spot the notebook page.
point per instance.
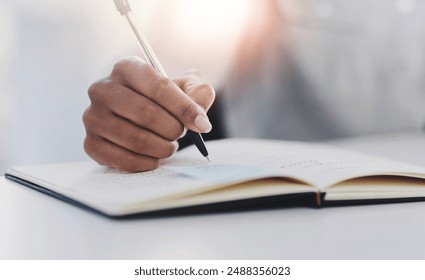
(318, 165)
(106, 189)
(112, 191)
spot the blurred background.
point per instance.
(52, 50)
(324, 68)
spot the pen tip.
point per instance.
(208, 158)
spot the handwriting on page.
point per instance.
(116, 186)
(315, 164)
(219, 172)
(114, 176)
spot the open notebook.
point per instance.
(242, 172)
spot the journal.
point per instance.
(242, 173)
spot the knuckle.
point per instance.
(95, 90)
(98, 120)
(206, 89)
(90, 147)
(98, 89)
(145, 107)
(112, 128)
(137, 141)
(160, 85)
(88, 118)
(188, 110)
(177, 132)
(146, 69)
(122, 65)
(147, 114)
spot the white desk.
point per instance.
(35, 226)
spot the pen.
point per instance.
(124, 8)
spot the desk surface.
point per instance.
(35, 226)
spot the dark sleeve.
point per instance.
(215, 114)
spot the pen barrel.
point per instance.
(198, 141)
(122, 6)
(147, 50)
(151, 58)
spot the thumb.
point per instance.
(195, 86)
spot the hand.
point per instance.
(136, 115)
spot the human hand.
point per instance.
(137, 115)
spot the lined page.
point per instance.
(188, 173)
(106, 189)
(315, 164)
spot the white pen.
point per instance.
(124, 8)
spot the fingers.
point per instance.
(109, 154)
(136, 115)
(145, 80)
(194, 85)
(120, 144)
(127, 135)
(136, 108)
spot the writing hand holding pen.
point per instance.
(123, 7)
(137, 115)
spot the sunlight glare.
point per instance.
(215, 18)
(201, 34)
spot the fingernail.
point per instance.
(203, 124)
(183, 133)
